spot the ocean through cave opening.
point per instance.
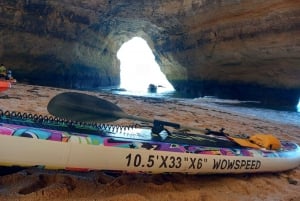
(298, 106)
(139, 70)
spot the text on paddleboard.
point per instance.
(137, 160)
(188, 163)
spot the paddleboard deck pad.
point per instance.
(32, 140)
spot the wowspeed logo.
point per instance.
(228, 164)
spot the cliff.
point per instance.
(231, 49)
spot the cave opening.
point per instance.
(139, 70)
(298, 106)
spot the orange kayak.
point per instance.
(4, 85)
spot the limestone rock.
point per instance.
(240, 49)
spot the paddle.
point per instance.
(86, 108)
(82, 107)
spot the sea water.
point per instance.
(253, 109)
(249, 108)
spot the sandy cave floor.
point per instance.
(36, 184)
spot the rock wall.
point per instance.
(233, 49)
(55, 43)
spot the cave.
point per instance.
(229, 49)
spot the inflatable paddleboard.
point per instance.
(4, 85)
(32, 140)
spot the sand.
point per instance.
(36, 184)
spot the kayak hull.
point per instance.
(54, 149)
(4, 85)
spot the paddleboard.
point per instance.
(46, 142)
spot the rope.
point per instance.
(55, 123)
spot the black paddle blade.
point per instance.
(82, 107)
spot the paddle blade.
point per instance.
(82, 107)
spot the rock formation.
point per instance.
(231, 49)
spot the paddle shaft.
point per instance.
(126, 116)
(132, 117)
(121, 115)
